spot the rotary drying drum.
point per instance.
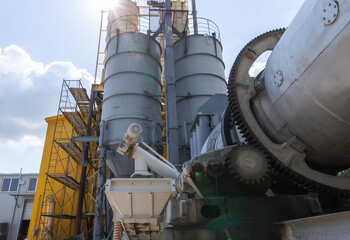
(312, 101)
(298, 107)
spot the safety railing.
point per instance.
(142, 24)
(128, 23)
(204, 26)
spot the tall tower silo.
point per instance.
(199, 74)
(132, 86)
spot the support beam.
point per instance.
(109, 212)
(84, 167)
(194, 14)
(170, 91)
(87, 139)
(100, 185)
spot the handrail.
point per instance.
(205, 27)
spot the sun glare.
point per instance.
(106, 4)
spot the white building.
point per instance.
(16, 204)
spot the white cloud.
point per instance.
(25, 123)
(22, 144)
(29, 92)
(256, 68)
(259, 64)
(68, 71)
(14, 59)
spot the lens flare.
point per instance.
(106, 4)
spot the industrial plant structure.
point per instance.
(164, 148)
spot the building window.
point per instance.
(14, 185)
(5, 184)
(32, 185)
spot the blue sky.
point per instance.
(44, 41)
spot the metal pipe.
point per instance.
(141, 167)
(203, 130)
(194, 14)
(195, 148)
(34, 233)
(16, 204)
(99, 44)
(158, 155)
(100, 185)
(170, 91)
(84, 167)
(99, 195)
(50, 220)
(191, 147)
(145, 160)
(109, 212)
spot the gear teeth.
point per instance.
(244, 129)
(234, 167)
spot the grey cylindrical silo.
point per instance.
(199, 74)
(132, 92)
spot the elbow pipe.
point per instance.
(145, 160)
